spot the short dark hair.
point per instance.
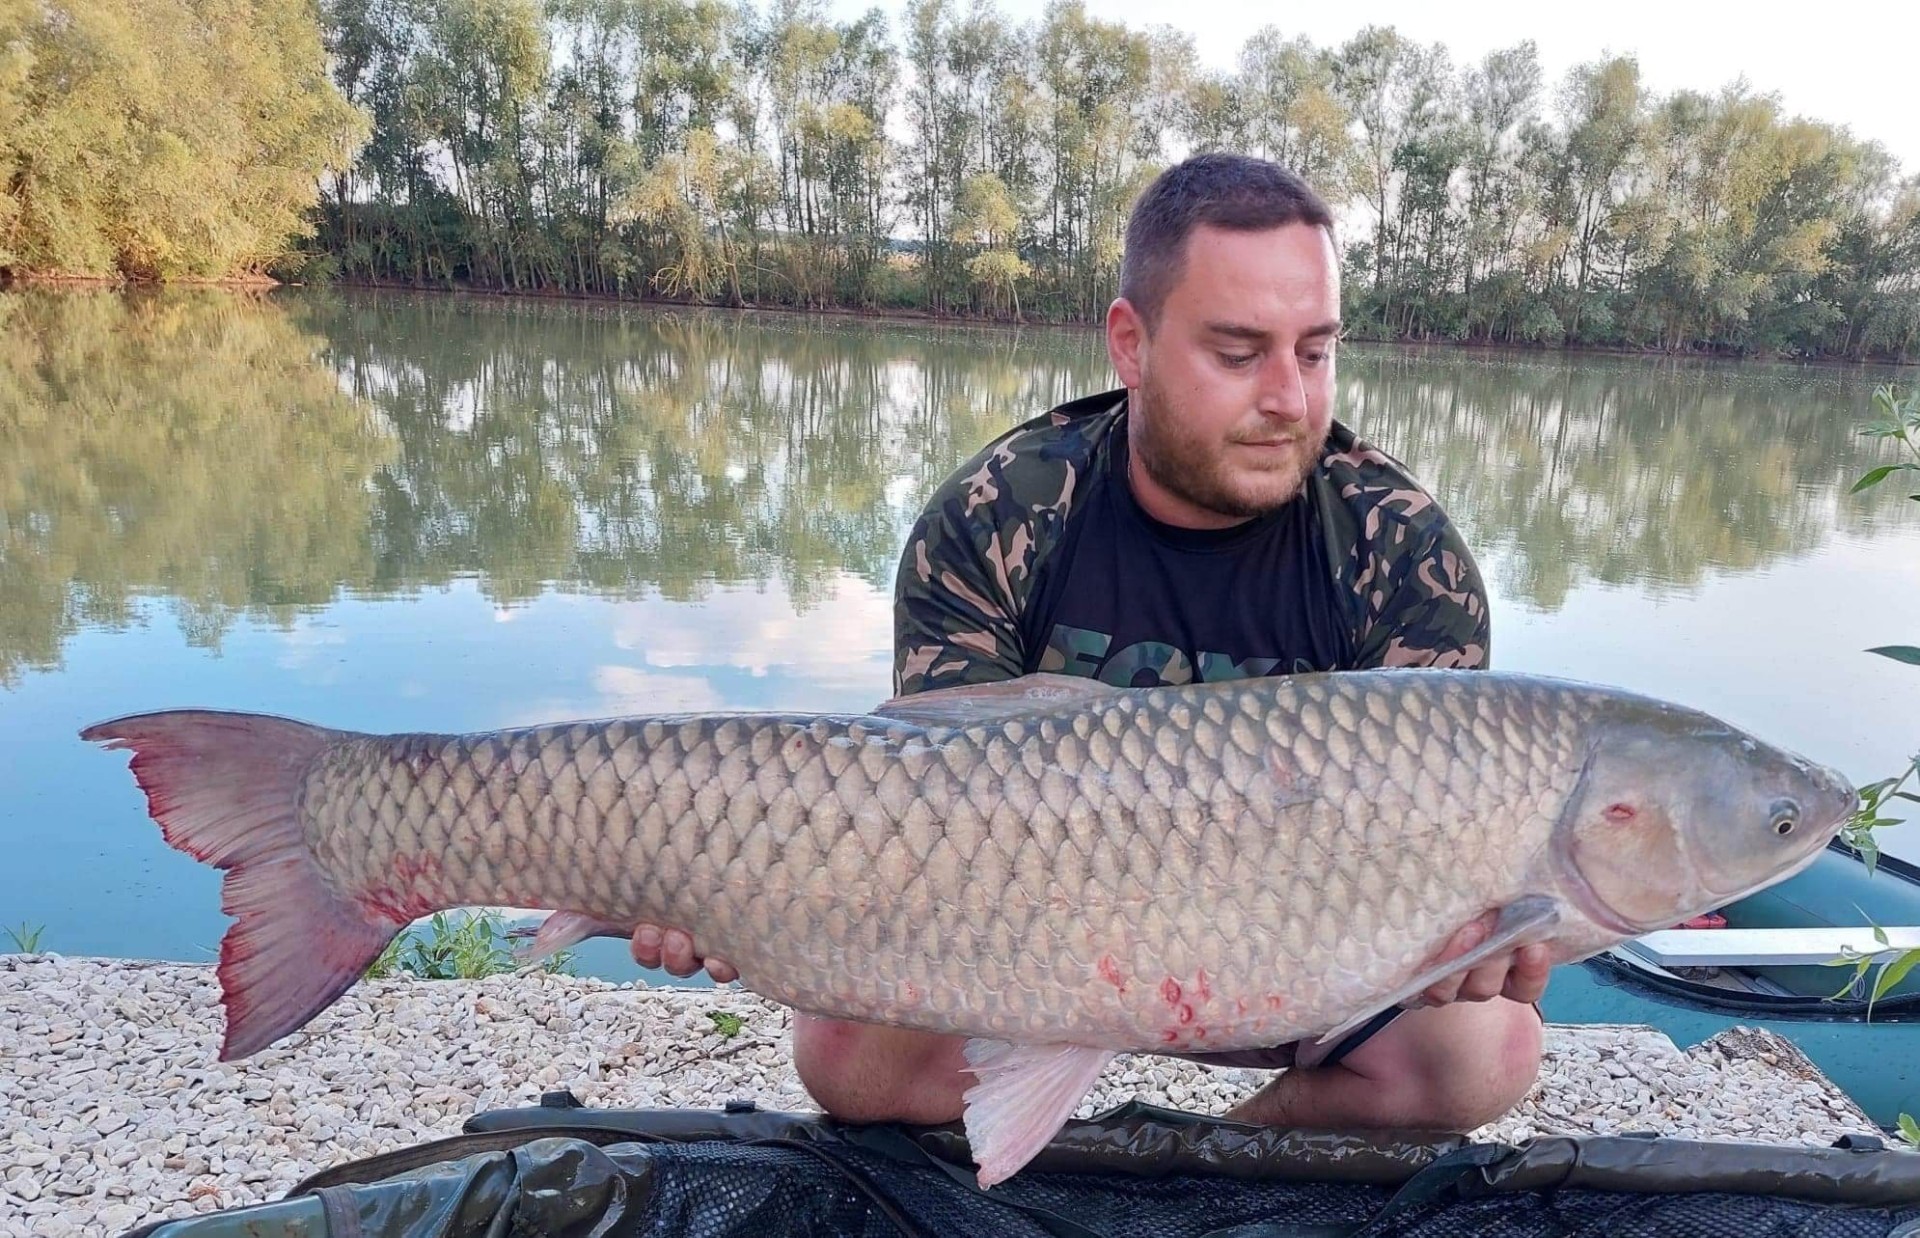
(1236, 192)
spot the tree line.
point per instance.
(759, 152)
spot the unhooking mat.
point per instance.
(563, 1170)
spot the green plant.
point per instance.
(1899, 420)
(727, 1023)
(26, 938)
(467, 949)
(1894, 966)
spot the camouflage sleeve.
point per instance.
(1420, 598)
(952, 624)
(1433, 611)
(969, 562)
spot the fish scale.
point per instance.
(364, 820)
(1054, 868)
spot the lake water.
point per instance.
(408, 512)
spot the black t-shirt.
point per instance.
(1033, 557)
(1135, 602)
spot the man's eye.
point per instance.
(1237, 360)
(1314, 358)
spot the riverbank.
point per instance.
(116, 1111)
(905, 316)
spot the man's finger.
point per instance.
(1466, 938)
(646, 945)
(1485, 982)
(1527, 982)
(676, 953)
(721, 971)
(1445, 991)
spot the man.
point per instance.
(1210, 521)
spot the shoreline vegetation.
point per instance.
(896, 316)
(948, 165)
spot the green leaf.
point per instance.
(1873, 477)
(1909, 1129)
(1899, 653)
(1893, 973)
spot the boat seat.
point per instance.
(1771, 947)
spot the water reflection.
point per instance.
(1644, 472)
(191, 446)
(246, 455)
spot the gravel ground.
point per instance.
(114, 1111)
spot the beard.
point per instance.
(1201, 472)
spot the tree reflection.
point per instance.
(261, 455)
(181, 445)
(1649, 473)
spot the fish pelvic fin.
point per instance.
(560, 930)
(223, 788)
(1025, 1094)
(1519, 923)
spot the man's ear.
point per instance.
(1126, 341)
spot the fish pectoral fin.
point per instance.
(1025, 1094)
(563, 929)
(1520, 923)
(986, 702)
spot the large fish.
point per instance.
(1054, 868)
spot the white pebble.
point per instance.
(157, 1127)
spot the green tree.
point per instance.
(159, 139)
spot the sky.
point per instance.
(1847, 64)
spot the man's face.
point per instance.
(1233, 390)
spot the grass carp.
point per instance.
(1057, 869)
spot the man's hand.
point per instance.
(1518, 975)
(672, 949)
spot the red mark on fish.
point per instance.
(1110, 972)
(1184, 1013)
(1170, 991)
(1200, 985)
(411, 870)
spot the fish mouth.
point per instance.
(1792, 870)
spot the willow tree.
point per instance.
(157, 139)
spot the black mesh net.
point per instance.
(722, 1191)
(758, 1175)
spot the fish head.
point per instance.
(1677, 813)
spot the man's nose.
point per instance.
(1282, 393)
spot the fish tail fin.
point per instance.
(223, 788)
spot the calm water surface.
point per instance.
(393, 512)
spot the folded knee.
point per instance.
(864, 1073)
(1481, 1083)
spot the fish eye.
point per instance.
(1786, 814)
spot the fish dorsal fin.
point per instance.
(967, 704)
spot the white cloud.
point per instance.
(842, 643)
(619, 690)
